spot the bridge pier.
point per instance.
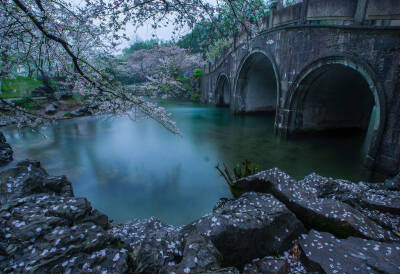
(283, 125)
(361, 11)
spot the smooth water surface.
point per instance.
(138, 169)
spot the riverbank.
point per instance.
(54, 109)
(278, 225)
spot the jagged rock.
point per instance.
(6, 152)
(393, 183)
(253, 226)
(161, 248)
(51, 109)
(386, 220)
(372, 199)
(237, 231)
(154, 243)
(43, 228)
(29, 178)
(360, 195)
(326, 214)
(199, 255)
(267, 266)
(324, 253)
(226, 270)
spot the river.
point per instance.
(138, 169)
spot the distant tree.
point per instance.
(148, 44)
(232, 17)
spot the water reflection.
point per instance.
(136, 170)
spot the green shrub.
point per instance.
(67, 114)
(183, 79)
(197, 73)
(195, 97)
(20, 85)
(243, 170)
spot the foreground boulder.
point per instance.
(325, 214)
(360, 195)
(160, 248)
(393, 183)
(6, 152)
(324, 253)
(28, 178)
(44, 228)
(268, 265)
(199, 255)
(374, 200)
(154, 243)
(253, 226)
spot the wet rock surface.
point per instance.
(268, 265)
(6, 152)
(154, 243)
(252, 226)
(161, 248)
(45, 229)
(324, 253)
(325, 204)
(360, 195)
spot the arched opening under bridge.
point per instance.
(338, 98)
(223, 91)
(257, 85)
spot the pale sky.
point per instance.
(146, 32)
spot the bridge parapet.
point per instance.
(327, 10)
(287, 16)
(356, 13)
(385, 13)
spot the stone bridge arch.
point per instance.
(223, 91)
(304, 43)
(338, 92)
(257, 85)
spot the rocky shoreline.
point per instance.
(56, 109)
(278, 225)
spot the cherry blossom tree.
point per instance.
(74, 39)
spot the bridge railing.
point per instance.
(338, 12)
(323, 12)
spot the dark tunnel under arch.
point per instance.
(338, 93)
(257, 85)
(223, 91)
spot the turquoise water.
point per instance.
(138, 169)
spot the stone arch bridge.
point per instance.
(320, 64)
